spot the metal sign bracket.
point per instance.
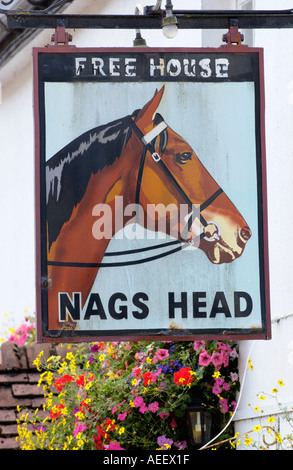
(233, 36)
(61, 37)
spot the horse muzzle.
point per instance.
(219, 250)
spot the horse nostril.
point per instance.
(245, 233)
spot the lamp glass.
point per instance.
(195, 422)
(170, 30)
(200, 422)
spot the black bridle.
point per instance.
(149, 142)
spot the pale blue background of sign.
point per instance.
(217, 120)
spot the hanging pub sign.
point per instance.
(150, 194)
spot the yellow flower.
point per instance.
(250, 364)
(70, 356)
(247, 441)
(279, 438)
(216, 375)
(261, 397)
(121, 430)
(281, 383)
(256, 408)
(257, 428)
(271, 419)
(102, 357)
(275, 390)
(148, 360)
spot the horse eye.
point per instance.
(182, 158)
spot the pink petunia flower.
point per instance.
(162, 354)
(122, 416)
(143, 408)
(138, 401)
(204, 358)
(224, 405)
(154, 407)
(198, 344)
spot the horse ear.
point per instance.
(146, 115)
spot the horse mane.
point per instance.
(68, 172)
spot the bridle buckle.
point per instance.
(156, 157)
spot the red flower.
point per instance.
(103, 431)
(183, 376)
(147, 378)
(59, 383)
(56, 411)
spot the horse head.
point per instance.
(174, 178)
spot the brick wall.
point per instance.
(18, 386)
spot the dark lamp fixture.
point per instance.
(139, 41)
(199, 422)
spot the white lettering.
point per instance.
(205, 64)
(79, 64)
(173, 67)
(130, 69)
(222, 68)
(189, 71)
(98, 65)
(154, 67)
(114, 66)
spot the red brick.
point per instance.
(7, 400)
(12, 356)
(38, 402)
(7, 416)
(8, 430)
(13, 377)
(26, 390)
(8, 443)
(33, 377)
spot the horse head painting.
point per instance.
(136, 160)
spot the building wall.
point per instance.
(272, 360)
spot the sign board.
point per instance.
(150, 194)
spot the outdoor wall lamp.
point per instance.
(170, 22)
(139, 41)
(199, 422)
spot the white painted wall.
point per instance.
(272, 360)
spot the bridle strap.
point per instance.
(148, 146)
